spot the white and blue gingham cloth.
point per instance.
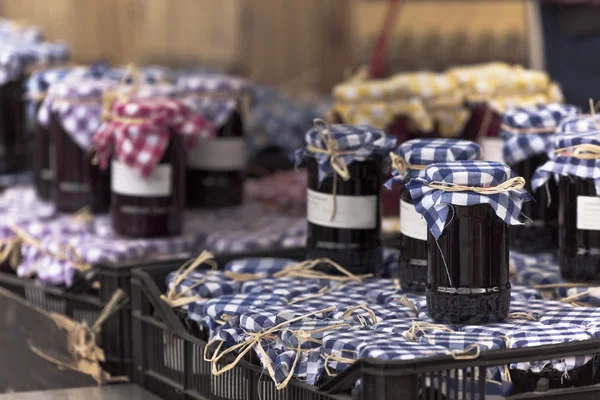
(345, 343)
(266, 317)
(501, 328)
(459, 341)
(435, 204)
(396, 349)
(556, 334)
(565, 165)
(11, 31)
(423, 152)
(362, 140)
(581, 123)
(537, 308)
(290, 288)
(519, 146)
(196, 90)
(266, 266)
(530, 270)
(16, 58)
(308, 368)
(238, 304)
(581, 316)
(381, 312)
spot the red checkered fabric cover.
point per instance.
(139, 130)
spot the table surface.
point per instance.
(110, 392)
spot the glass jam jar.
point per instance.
(216, 167)
(13, 143)
(468, 206)
(343, 194)
(527, 134)
(148, 172)
(409, 162)
(72, 112)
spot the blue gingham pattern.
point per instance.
(396, 349)
(428, 151)
(195, 91)
(340, 300)
(15, 59)
(238, 304)
(290, 288)
(363, 140)
(537, 308)
(500, 329)
(521, 146)
(564, 165)
(261, 266)
(560, 333)
(459, 341)
(523, 293)
(585, 294)
(345, 343)
(78, 104)
(317, 329)
(580, 316)
(435, 204)
(15, 32)
(381, 312)
(536, 269)
(368, 285)
(308, 368)
(581, 123)
(396, 326)
(266, 317)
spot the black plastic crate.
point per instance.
(84, 302)
(168, 361)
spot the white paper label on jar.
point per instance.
(412, 224)
(218, 154)
(128, 181)
(351, 212)
(492, 149)
(588, 213)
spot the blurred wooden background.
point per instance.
(307, 42)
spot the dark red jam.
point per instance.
(77, 182)
(578, 249)
(13, 146)
(413, 255)
(478, 119)
(215, 173)
(42, 167)
(541, 233)
(468, 268)
(150, 207)
(355, 241)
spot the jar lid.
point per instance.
(467, 183)
(581, 123)
(527, 131)
(413, 156)
(15, 58)
(40, 81)
(20, 33)
(574, 155)
(139, 130)
(215, 97)
(336, 146)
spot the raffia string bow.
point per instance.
(402, 166)
(513, 184)
(175, 299)
(111, 96)
(335, 156)
(586, 151)
(306, 270)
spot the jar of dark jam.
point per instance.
(148, 180)
(13, 144)
(150, 207)
(343, 212)
(468, 206)
(216, 167)
(579, 232)
(527, 135)
(42, 169)
(410, 161)
(468, 268)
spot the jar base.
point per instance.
(413, 274)
(579, 268)
(534, 239)
(474, 308)
(357, 262)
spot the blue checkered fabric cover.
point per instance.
(581, 123)
(14, 59)
(396, 326)
(368, 285)
(386, 349)
(585, 295)
(230, 333)
(363, 140)
(435, 204)
(264, 265)
(565, 165)
(428, 151)
(537, 308)
(290, 288)
(340, 300)
(381, 312)
(316, 329)
(580, 316)
(500, 329)
(524, 293)
(308, 368)
(555, 334)
(461, 340)
(266, 317)
(519, 144)
(536, 269)
(238, 304)
(390, 267)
